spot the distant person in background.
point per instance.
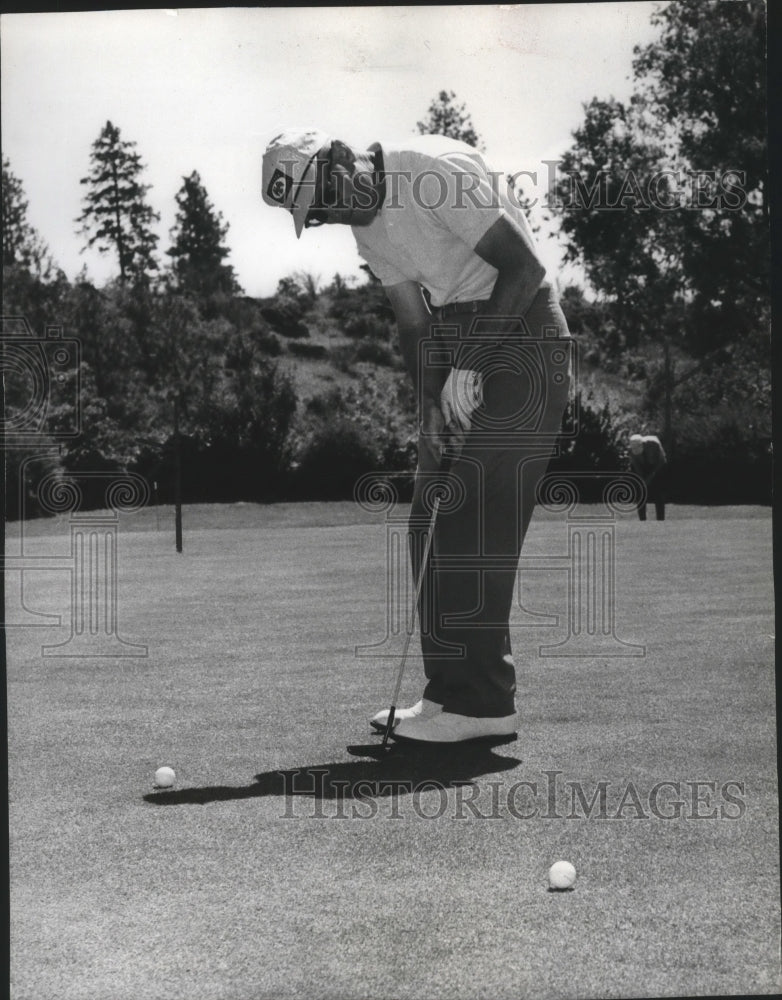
(647, 460)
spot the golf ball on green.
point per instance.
(561, 875)
(165, 777)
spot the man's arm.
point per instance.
(519, 272)
(658, 457)
(413, 322)
(519, 275)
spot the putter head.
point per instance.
(376, 750)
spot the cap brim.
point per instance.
(304, 195)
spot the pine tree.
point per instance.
(451, 119)
(198, 251)
(22, 246)
(116, 216)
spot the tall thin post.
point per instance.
(177, 478)
(667, 428)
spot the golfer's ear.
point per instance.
(407, 301)
(340, 153)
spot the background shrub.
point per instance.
(333, 459)
(307, 350)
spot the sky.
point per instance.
(206, 88)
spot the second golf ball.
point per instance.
(561, 875)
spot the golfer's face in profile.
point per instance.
(344, 191)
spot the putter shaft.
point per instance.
(444, 466)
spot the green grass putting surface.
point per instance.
(280, 866)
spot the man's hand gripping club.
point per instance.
(448, 417)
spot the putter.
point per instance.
(374, 749)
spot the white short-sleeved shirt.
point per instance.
(441, 199)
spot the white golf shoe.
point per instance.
(423, 709)
(447, 727)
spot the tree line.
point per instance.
(661, 200)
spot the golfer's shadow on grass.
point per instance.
(402, 771)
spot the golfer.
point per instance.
(647, 460)
(482, 334)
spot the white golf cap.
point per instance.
(290, 169)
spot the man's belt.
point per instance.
(451, 308)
